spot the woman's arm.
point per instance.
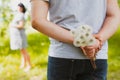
(111, 22)
(20, 25)
(39, 22)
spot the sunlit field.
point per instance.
(38, 45)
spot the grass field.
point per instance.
(10, 60)
(114, 57)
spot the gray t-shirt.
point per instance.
(71, 14)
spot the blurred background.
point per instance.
(38, 48)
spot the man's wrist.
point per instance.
(100, 41)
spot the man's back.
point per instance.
(71, 14)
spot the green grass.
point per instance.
(114, 57)
(38, 50)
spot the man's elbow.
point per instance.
(38, 24)
(34, 23)
(114, 14)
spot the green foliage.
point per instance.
(119, 2)
(6, 12)
(5, 17)
(114, 57)
(3, 31)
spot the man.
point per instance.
(67, 62)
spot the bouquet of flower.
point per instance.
(83, 37)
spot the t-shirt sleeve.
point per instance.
(46, 0)
(41, 0)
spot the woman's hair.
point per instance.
(23, 7)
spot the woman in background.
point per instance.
(18, 38)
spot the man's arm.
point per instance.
(109, 27)
(39, 22)
(111, 22)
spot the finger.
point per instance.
(83, 50)
(88, 48)
(90, 53)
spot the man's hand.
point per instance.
(91, 51)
